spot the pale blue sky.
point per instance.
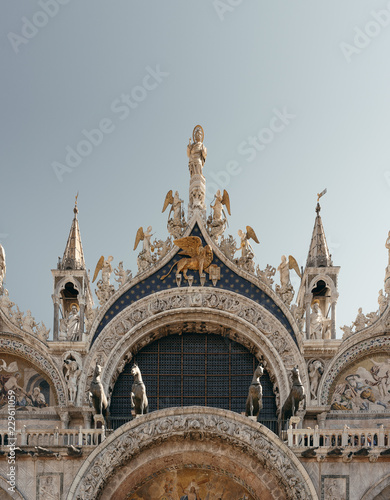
(229, 71)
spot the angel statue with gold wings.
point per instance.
(199, 258)
(105, 267)
(220, 201)
(145, 257)
(177, 222)
(284, 270)
(245, 247)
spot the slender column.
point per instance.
(82, 316)
(307, 307)
(333, 316)
(56, 317)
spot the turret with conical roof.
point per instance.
(72, 297)
(73, 255)
(318, 291)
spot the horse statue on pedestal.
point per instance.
(97, 395)
(139, 401)
(254, 402)
(297, 394)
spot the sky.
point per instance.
(101, 98)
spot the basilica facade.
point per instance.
(201, 377)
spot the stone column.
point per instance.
(82, 315)
(321, 417)
(56, 301)
(307, 308)
(333, 317)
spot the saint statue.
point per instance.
(318, 324)
(73, 323)
(196, 152)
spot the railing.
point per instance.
(55, 437)
(368, 438)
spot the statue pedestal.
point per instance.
(294, 422)
(254, 419)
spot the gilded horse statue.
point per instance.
(254, 402)
(139, 400)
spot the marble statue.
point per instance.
(382, 301)
(104, 288)
(254, 402)
(199, 258)
(298, 313)
(17, 318)
(216, 224)
(228, 246)
(318, 324)
(73, 324)
(284, 270)
(72, 373)
(162, 247)
(6, 304)
(360, 321)
(2, 267)
(123, 276)
(347, 331)
(316, 369)
(196, 152)
(145, 258)
(28, 322)
(139, 400)
(42, 332)
(266, 275)
(177, 223)
(247, 253)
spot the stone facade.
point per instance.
(53, 444)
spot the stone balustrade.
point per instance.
(358, 438)
(54, 437)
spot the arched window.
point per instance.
(193, 370)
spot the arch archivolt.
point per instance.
(327, 280)
(377, 489)
(125, 448)
(197, 309)
(41, 361)
(4, 485)
(346, 357)
(68, 279)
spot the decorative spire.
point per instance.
(73, 256)
(319, 255)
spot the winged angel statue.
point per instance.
(177, 222)
(145, 257)
(105, 289)
(286, 290)
(216, 223)
(199, 258)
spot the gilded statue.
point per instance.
(284, 269)
(175, 203)
(105, 267)
(196, 151)
(199, 258)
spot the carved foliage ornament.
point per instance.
(214, 427)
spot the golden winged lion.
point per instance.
(199, 257)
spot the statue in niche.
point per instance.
(196, 152)
(139, 400)
(73, 323)
(318, 324)
(123, 276)
(254, 402)
(72, 373)
(316, 369)
(216, 224)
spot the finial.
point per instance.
(76, 210)
(320, 195)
